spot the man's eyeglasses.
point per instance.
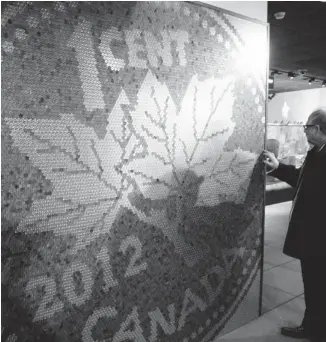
(308, 126)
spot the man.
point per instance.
(306, 236)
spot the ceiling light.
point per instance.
(324, 84)
(279, 15)
(311, 80)
(270, 80)
(291, 75)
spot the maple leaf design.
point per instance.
(191, 139)
(227, 177)
(187, 142)
(153, 150)
(88, 184)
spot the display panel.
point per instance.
(132, 185)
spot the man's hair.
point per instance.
(318, 117)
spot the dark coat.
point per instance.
(306, 236)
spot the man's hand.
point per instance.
(270, 160)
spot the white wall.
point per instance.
(253, 9)
(295, 105)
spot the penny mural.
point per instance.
(132, 185)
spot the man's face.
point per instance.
(311, 131)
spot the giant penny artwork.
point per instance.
(132, 185)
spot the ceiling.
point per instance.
(298, 42)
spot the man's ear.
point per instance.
(321, 129)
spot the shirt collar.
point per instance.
(322, 146)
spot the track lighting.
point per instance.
(275, 72)
(271, 79)
(271, 96)
(291, 75)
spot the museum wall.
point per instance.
(289, 111)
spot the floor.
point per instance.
(283, 302)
